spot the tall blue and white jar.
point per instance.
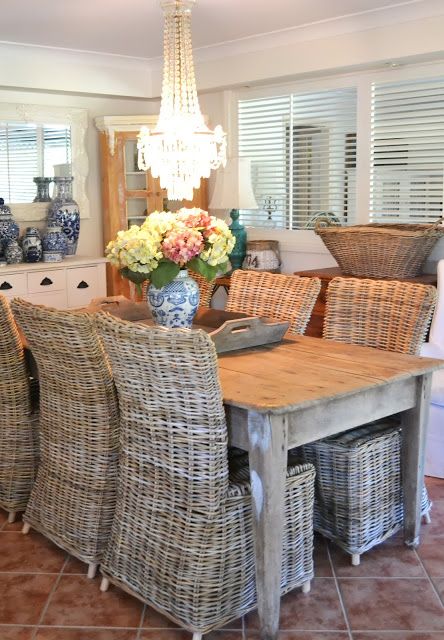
(64, 210)
(9, 229)
(174, 305)
(32, 245)
(54, 243)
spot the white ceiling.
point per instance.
(134, 27)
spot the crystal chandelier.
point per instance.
(181, 149)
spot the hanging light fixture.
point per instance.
(181, 149)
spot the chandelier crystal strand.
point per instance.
(181, 149)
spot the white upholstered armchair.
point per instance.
(434, 463)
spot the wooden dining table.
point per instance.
(287, 394)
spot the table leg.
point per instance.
(268, 436)
(414, 430)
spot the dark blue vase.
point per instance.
(64, 211)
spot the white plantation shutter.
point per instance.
(302, 149)
(18, 162)
(407, 151)
(27, 151)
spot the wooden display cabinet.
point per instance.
(128, 194)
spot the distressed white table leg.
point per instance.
(414, 431)
(268, 435)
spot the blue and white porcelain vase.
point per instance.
(54, 243)
(32, 245)
(175, 304)
(64, 210)
(9, 229)
(13, 252)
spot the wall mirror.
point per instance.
(33, 139)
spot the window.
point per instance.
(30, 150)
(407, 151)
(303, 156)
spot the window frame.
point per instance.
(77, 119)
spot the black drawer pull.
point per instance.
(46, 282)
(83, 285)
(5, 285)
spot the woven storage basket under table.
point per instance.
(381, 250)
(358, 500)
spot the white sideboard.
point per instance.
(65, 285)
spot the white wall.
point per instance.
(90, 241)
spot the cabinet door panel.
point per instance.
(46, 281)
(82, 285)
(13, 284)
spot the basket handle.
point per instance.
(435, 226)
(325, 221)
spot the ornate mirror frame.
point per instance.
(78, 121)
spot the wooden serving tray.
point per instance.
(231, 331)
(228, 330)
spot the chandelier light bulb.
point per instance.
(181, 149)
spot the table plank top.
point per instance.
(304, 371)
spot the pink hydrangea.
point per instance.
(195, 218)
(182, 245)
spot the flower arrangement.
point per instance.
(167, 242)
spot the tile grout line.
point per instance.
(429, 578)
(48, 600)
(142, 619)
(341, 600)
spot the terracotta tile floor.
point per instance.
(396, 594)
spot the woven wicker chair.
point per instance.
(205, 288)
(274, 295)
(73, 499)
(181, 538)
(358, 487)
(18, 419)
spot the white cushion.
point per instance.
(437, 396)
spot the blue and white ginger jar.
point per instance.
(174, 305)
(32, 245)
(54, 244)
(13, 252)
(9, 229)
(64, 211)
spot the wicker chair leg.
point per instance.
(11, 516)
(356, 559)
(92, 569)
(426, 518)
(306, 587)
(104, 585)
(26, 528)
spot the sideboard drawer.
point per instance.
(13, 284)
(56, 299)
(82, 285)
(46, 281)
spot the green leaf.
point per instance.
(134, 276)
(200, 266)
(164, 273)
(224, 267)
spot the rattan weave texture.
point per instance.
(18, 421)
(73, 498)
(389, 315)
(274, 295)
(358, 474)
(381, 250)
(182, 534)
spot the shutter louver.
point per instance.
(407, 151)
(302, 149)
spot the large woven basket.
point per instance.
(381, 250)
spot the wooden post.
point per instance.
(414, 431)
(268, 436)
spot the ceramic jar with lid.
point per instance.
(9, 229)
(32, 245)
(54, 243)
(13, 252)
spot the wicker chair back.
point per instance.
(274, 295)
(389, 315)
